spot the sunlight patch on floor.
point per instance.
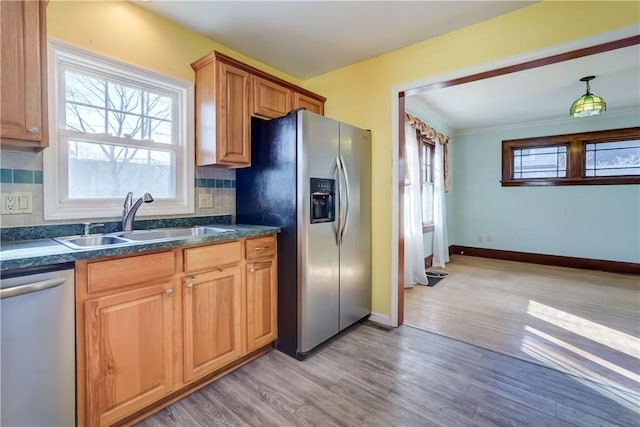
(585, 354)
(538, 347)
(601, 334)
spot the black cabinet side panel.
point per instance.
(266, 194)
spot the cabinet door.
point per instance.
(270, 100)
(22, 63)
(262, 303)
(213, 321)
(233, 116)
(129, 351)
(311, 104)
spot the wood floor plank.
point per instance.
(582, 322)
(481, 392)
(580, 417)
(496, 370)
(402, 377)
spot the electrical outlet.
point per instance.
(205, 200)
(480, 239)
(16, 203)
(489, 239)
(8, 203)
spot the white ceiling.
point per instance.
(307, 38)
(538, 94)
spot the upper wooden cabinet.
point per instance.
(270, 99)
(228, 93)
(23, 103)
(222, 114)
(309, 103)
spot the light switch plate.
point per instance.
(205, 200)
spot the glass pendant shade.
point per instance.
(588, 104)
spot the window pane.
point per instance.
(84, 119)
(157, 106)
(125, 125)
(159, 131)
(613, 158)
(426, 168)
(427, 203)
(84, 89)
(107, 171)
(125, 99)
(540, 162)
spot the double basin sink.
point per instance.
(94, 241)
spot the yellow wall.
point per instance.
(361, 94)
(127, 32)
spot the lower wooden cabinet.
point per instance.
(150, 327)
(213, 321)
(262, 303)
(129, 347)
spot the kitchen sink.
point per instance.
(172, 233)
(158, 235)
(89, 242)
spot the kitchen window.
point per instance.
(590, 158)
(426, 179)
(116, 128)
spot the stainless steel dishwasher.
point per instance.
(37, 347)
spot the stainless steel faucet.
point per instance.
(129, 212)
(88, 226)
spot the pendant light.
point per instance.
(588, 104)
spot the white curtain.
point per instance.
(440, 239)
(413, 240)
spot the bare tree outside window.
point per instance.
(133, 116)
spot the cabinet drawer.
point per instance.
(205, 257)
(261, 247)
(117, 273)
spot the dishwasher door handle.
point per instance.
(31, 287)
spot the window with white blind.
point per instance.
(116, 128)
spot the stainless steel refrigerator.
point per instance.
(311, 176)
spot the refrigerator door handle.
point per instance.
(339, 166)
(347, 199)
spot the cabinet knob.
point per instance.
(220, 270)
(169, 292)
(33, 130)
(252, 270)
(189, 285)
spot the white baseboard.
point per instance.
(382, 319)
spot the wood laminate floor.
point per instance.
(369, 376)
(583, 322)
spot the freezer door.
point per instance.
(318, 258)
(355, 248)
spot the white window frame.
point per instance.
(57, 205)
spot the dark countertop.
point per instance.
(32, 253)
